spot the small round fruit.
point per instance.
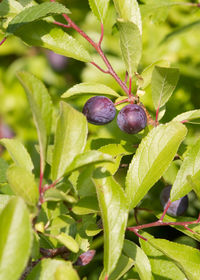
(99, 110)
(177, 207)
(132, 119)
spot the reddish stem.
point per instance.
(126, 77)
(104, 71)
(4, 39)
(46, 187)
(102, 34)
(130, 85)
(106, 277)
(165, 211)
(62, 24)
(157, 113)
(184, 121)
(101, 53)
(121, 101)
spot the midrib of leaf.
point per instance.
(162, 90)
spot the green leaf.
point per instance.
(10, 8)
(141, 261)
(16, 239)
(86, 205)
(117, 151)
(43, 34)
(163, 83)
(189, 171)
(34, 13)
(124, 264)
(18, 153)
(114, 212)
(46, 269)
(66, 272)
(146, 74)
(70, 139)
(152, 158)
(54, 194)
(190, 115)
(99, 8)
(68, 241)
(131, 45)
(4, 200)
(22, 183)
(41, 106)
(185, 257)
(89, 89)
(3, 169)
(128, 10)
(86, 158)
(157, 10)
(162, 267)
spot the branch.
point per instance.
(102, 34)
(4, 39)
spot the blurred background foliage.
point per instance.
(168, 34)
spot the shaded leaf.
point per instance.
(114, 211)
(89, 88)
(18, 153)
(43, 34)
(185, 257)
(54, 194)
(99, 8)
(140, 259)
(152, 158)
(131, 45)
(86, 205)
(3, 169)
(34, 13)
(22, 183)
(70, 139)
(11, 7)
(163, 83)
(189, 171)
(16, 239)
(128, 10)
(41, 107)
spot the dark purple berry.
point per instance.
(132, 119)
(99, 110)
(177, 207)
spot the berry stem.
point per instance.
(101, 69)
(4, 39)
(62, 24)
(130, 85)
(157, 113)
(165, 211)
(121, 101)
(102, 34)
(126, 77)
(98, 49)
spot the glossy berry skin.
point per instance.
(99, 110)
(132, 119)
(177, 207)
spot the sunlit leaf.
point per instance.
(70, 139)
(188, 116)
(16, 239)
(66, 272)
(189, 171)
(152, 158)
(114, 211)
(34, 13)
(18, 153)
(185, 257)
(22, 183)
(131, 45)
(163, 83)
(43, 34)
(68, 241)
(89, 89)
(99, 8)
(41, 106)
(128, 10)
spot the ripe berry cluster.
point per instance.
(101, 110)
